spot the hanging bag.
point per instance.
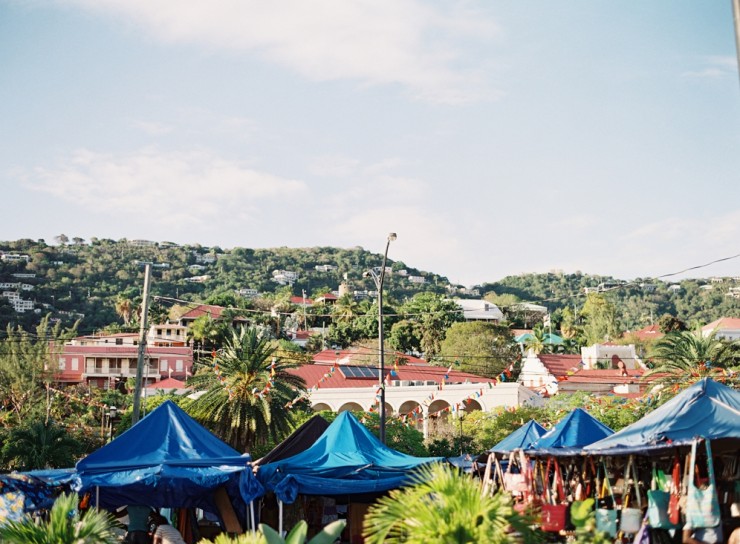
(658, 503)
(583, 506)
(674, 508)
(631, 518)
(702, 505)
(515, 482)
(554, 514)
(606, 518)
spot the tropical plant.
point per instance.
(444, 506)
(246, 390)
(297, 535)
(124, 309)
(684, 357)
(482, 348)
(66, 525)
(40, 444)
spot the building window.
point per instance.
(75, 363)
(163, 365)
(178, 365)
(62, 364)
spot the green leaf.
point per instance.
(297, 535)
(271, 535)
(329, 533)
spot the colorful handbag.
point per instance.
(702, 505)
(606, 518)
(630, 519)
(658, 503)
(554, 515)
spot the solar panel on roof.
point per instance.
(362, 372)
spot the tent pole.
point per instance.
(97, 497)
(251, 514)
(280, 517)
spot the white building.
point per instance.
(479, 310)
(727, 328)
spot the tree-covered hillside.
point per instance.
(638, 303)
(85, 279)
(78, 279)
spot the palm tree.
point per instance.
(448, 507)
(40, 444)
(685, 357)
(124, 308)
(64, 526)
(246, 391)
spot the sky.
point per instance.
(495, 138)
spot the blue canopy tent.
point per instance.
(347, 459)
(522, 438)
(707, 409)
(572, 433)
(168, 460)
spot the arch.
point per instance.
(350, 407)
(438, 413)
(415, 417)
(471, 406)
(322, 407)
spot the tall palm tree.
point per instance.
(447, 507)
(124, 309)
(64, 526)
(246, 391)
(40, 444)
(685, 357)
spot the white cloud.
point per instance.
(714, 67)
(405, 42)
(197, 187)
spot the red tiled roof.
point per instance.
(606, 376)
(560, 364)
(314, 373)
(204, 309)
(301, 301)
(168, 383)
(723, 323)
(327, 296)
(651, 332)
(363, 355)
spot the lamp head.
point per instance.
(392, 237)
(366, 274)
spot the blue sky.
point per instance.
(495, 138)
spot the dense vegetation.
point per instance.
(78, 279)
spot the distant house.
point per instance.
(210, 310)
(108, 361)
(550, 374)
(479, 310)
(727, 328)
(417, 279)
(646, 334)
(326, 298)
(324, 267)
(301, 301)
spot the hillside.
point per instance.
(83, 279)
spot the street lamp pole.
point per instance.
(391, 237)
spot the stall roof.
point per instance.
(522, 438)
(300, 440)
(346, 459)
(707, 409)
(570, 435)
(169, 459)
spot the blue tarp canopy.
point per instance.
(570, 435)
(521, 439)
(168, 460)
(347, 459)
(707, 409)
(464, 462)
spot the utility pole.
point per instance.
(142, 345)
(736, 17)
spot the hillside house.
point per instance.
(479, 310)
(727, 328)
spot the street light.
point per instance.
(378, 279)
